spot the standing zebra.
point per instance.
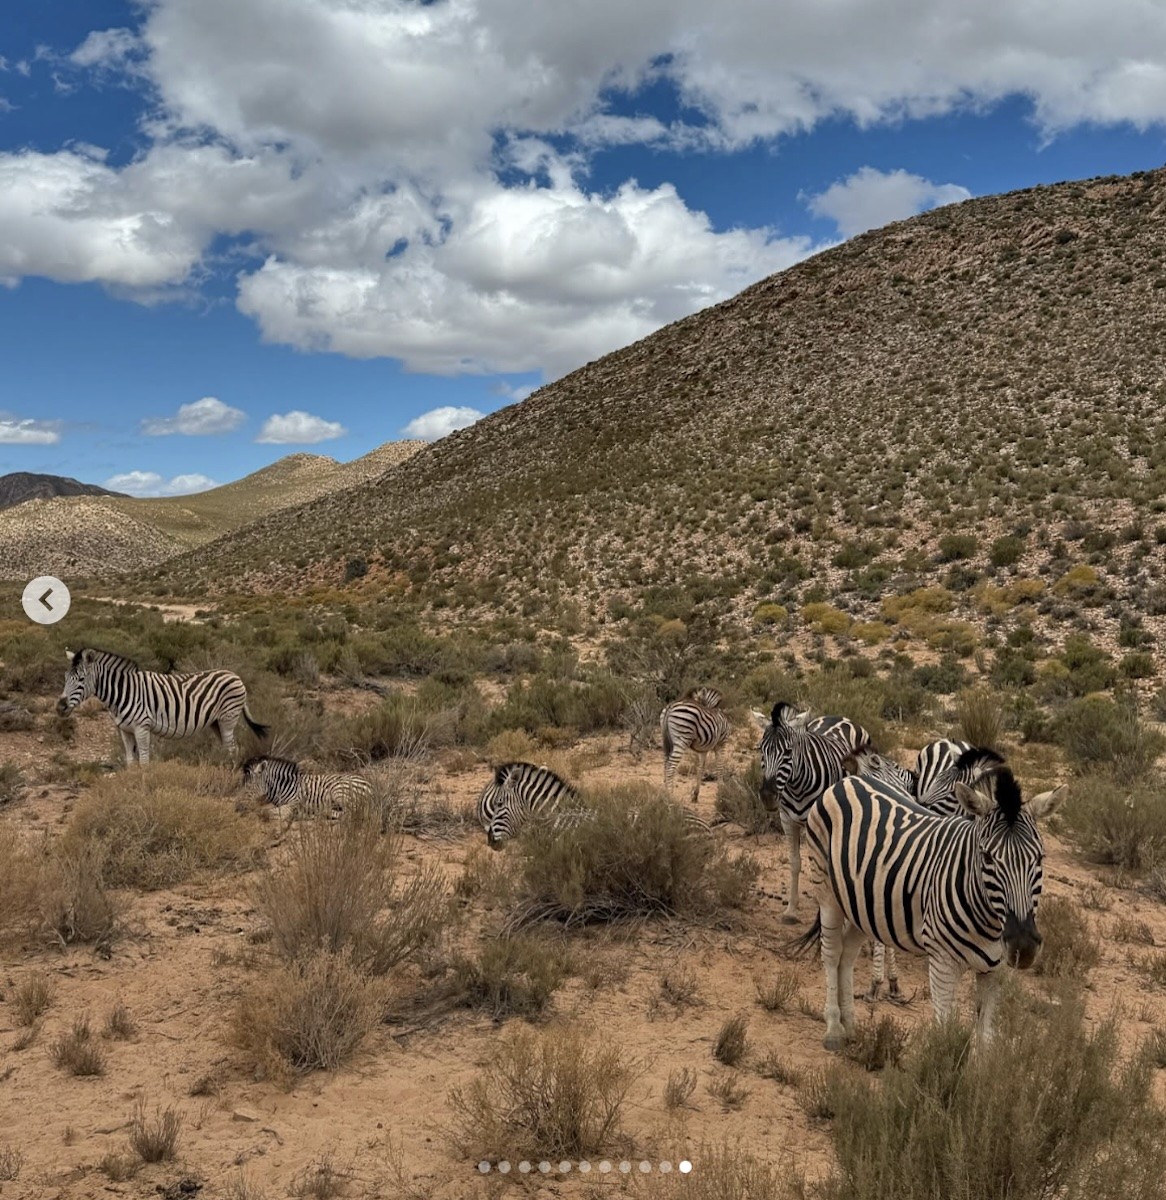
(281, 782)
(797, 765)
(931, 784)
(695, 723)
(961, 889)
(521, 791)
(145, 702)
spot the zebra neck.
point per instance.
(105, 684)
(963, 869)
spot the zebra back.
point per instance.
(693, 723)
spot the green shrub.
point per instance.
(511, 976)
(1006, 551)
(1115, 823)
(1070, 949)
(979, 714)
(1138, 665)
(770, 614)
(954, 547)
(1096, 732)
(1050, 1108)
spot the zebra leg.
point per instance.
(987, 997)
(699, 776)
(943, 976)
(129, 744)
(143, 738)
(792, 829)
(893, 991)
(833, 924)
(852, 941)
(878, 971)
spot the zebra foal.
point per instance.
(281, 783)
(800, 758)
(156, 702)
(695, 722)
(961, 890)
(521, 792)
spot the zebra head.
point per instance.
(776, 739)
(79, 680)
(1009, 846)
(271, 778)
(865, 761)
(494, 811)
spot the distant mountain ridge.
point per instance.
(19, 487)
(100, 534)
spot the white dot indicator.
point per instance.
(585, 1166)
(685, 1166)
(524, 1167)
(504, 1167)
(564, 1167)
(605, 1166)
(484, 1167)
(665, 1167)
(545, 1167)
(625, 1167)
(645, 1166)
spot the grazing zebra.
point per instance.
(960, 889)
(146, 702)
(520, 791)
(281, 782)
(695, 723)
(797, 765)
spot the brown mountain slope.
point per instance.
(110, 535)
(983, 369)
(21, 486)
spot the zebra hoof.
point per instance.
(834, 1043)
(894, 992)
(874, 992)
(790, 918)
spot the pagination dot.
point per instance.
(685, 1166)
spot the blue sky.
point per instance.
(236, 229)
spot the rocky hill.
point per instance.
(970, 400)
(100, 538)
(21, 486)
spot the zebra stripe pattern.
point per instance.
(695, 723)
(961, 890)
(154, 702)
(521, 792)
(281, 783)
(798, 763)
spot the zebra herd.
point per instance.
(943, 861)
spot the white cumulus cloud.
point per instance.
(15, 431)
(150, 483)
(870, 198)
(439, 421)
(298, 428)
(205, 416)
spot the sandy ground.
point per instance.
(187, 953)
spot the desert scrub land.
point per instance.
(375, 1006)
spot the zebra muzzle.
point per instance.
(62, 707)
(1022, 942)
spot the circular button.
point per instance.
(46, 600)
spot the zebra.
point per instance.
(146, 702)
(281, 782)
(695, 722)
(797, 764)
(931, 784)
(960, 889)
(521, 791)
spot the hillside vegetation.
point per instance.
(113, 534)
(21, 486)
(969, 401)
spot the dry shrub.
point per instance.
(1050, 1108)
(32, 996)
(1118, 824)
(732, 1041)
(1099, 735)
(633, 855)
(71, 897)
(511, 976)
(729, 1091)
(773, 1066)
(679, 987)
(739, 800)
(322, 1179)
(877, 1044)
(11, 783)
(511, 745)
(118, 1168)
(1070, 948)
(77, 1051)
(679, 1088)
(724, 1173)
(158, 827)
(557, 1093)
(486, 876)
(155, 1139)
(120, 1023)
(979, 714)
(340, 891)
(782, 993)
(310, 1014)
(396, 728)
(11, 1161)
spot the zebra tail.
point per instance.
(667, 740)
(797, 946)
(260, 731)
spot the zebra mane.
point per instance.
(119, 659)
(255, 760)
(503, 772)
(979, 764)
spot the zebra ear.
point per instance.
(1047, 802)
(761, 719)
(974, 802)
(800, 720)
(69, 657)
